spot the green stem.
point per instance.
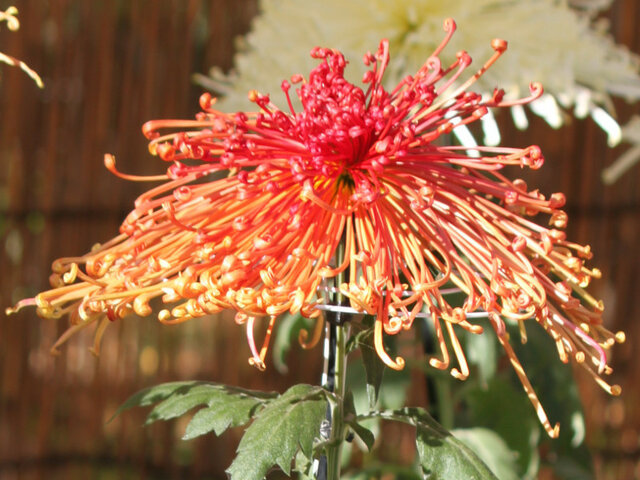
(338, 430)
(334, 449)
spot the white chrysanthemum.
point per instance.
(549, 42)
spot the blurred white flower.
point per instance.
(555, 42)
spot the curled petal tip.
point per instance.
(553, 432)
(449, 25)
(259, 364)
(109, 162)
(206, 101)
(166, 152)
(455, 373)
(397, 364)
(499, 45)
(149, 130)
(439, 364)
(303, 336)
(536, 89)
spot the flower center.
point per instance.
(335, 124)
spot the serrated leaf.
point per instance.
(304, 467)
(221, 414)
(493, 450)
(441, 455)
(226, 406)
(151, 395)
(288, 424)
(201, 393)
(181, 402)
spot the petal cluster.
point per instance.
(576, 58)
(255, 207)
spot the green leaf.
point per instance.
(482, 351)
(363, 433)
(373, 367)
(151, 395)
(222, 413)
(441, 455)
(558, 392)
(303, 467)
(395, 388)
(286, 425)
(360, 331)
(366, 435)
(517, 424)
(383, 470)
(492, 449)
(200, 393)
(286, 334)
(225, 406)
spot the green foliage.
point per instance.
(222, 413)
(558, 392)
(224, 406)
(384, 470)
(286, 335)
(373, 366)
(482, 351)
(441, 455)
(482, 403)
(284, 430)
(504, 408)
(366, 435)
(287, 425)
(492, 449)
(152, 395)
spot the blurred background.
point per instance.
(109, 66)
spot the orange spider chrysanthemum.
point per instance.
(357, 167)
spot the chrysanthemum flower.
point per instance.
(255, 205)
(575, 58)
